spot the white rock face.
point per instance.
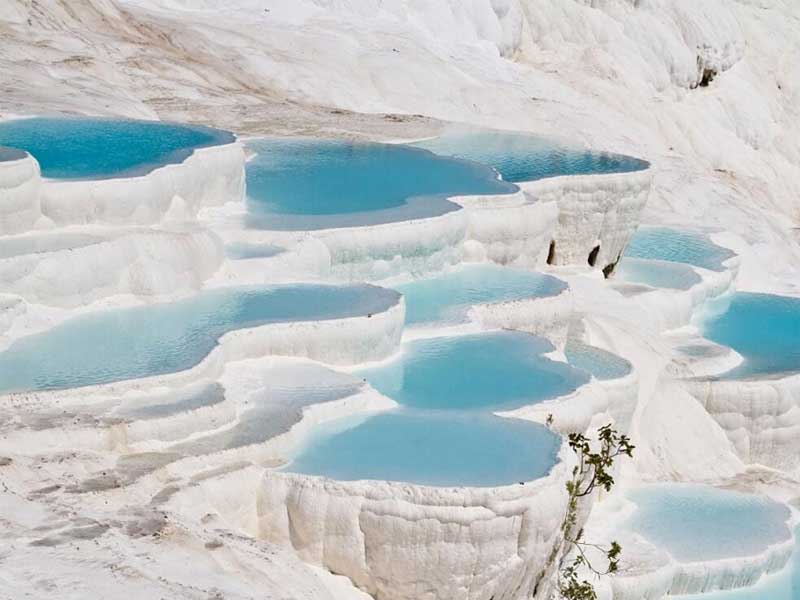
(208, 177)
(674, 308)
(514, 229)
(380, 251)
(594, 212)
(548, 317)
(509, 229)
(761, 417)
(107, 263)
(406, 542)
(594, 404)
(19, 195)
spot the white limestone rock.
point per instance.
(20, 182)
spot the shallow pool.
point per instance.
(163, 338)
(519, 157)
(656, 273)
(487, 371)
(783, 585)
(444, 432)
(431, 448)
(763, 328)
(301, 183)
(599, 363)
(92, 148)
(448, 297)
(697, 523)
(676, 245)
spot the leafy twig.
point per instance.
(593, 471)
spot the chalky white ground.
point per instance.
(103, 498)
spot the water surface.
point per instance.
(93, 148)
(487, 371)
(697, 523)
(763, 328)
(439, 449)
(522, 157)
(677, 245)
(306, 183)
(448, 297)
(657, 273)
(599, 363)
(168, 337)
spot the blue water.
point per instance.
(763, 328)
(656, 273)
(90, 148)
(520, 157)
(488, 371)
(447, 298)
(240, 251)
(599, 363)
(695, 522)
(444, 433)
(163, 338)
(296, 183)
(9, 154)
(438, 449)
(784, 585)
(676, 245)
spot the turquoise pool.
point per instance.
(487, 371)
(697, 523)
(301, 183)
(444, 432)
(657, 273)
(676, 245)
(599, 363)
(93, 148)
(521, 157)
(763, 328)
(163, 338)
(783, 585)
(448, 297)
(439, 449)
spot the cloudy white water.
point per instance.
(161, 476)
